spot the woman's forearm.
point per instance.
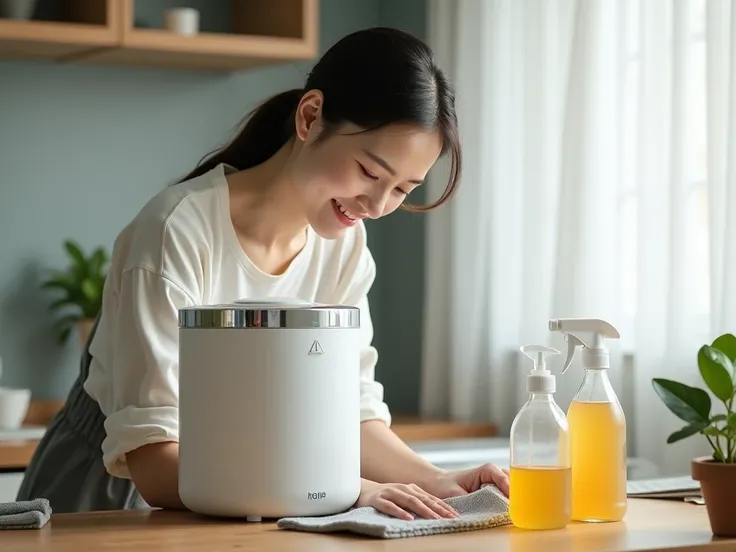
(385, 458)
(154, 470)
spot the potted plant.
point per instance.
(716, 473)
(81, 285)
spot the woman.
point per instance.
(277, 212)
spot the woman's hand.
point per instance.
(400, 500)
(455, 483)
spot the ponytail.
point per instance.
(267, 128)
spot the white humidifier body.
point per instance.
(269, 409)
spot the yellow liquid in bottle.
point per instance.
(539, 497)
(598, 457)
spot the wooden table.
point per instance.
(649, 525)
(16, 454)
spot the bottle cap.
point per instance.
(540, 380)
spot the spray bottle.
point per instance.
(597, 425)
(540, 474)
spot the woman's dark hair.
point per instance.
(370, 78)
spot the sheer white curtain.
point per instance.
(600, 151)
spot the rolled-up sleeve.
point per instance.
(140, 392)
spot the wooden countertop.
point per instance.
(16, 454)
(649, 525)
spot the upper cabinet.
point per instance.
(232, 34)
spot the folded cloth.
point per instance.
(27, 514)
(482, 509)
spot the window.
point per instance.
(694, 235)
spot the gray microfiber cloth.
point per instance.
(482, 509)
(27, 514)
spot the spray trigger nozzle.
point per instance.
(572, 342)
(588, 333)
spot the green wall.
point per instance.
(83, 148)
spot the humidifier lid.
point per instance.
(269, 313)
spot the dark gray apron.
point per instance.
(67, 466)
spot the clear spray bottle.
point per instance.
(597, 425)
(540, 474)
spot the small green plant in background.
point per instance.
(693, 405)
(81, 284)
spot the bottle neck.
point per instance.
(541, 397)
(596, 374)
(596, 387)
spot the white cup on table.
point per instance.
(14, 405)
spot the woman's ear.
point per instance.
(309, 115)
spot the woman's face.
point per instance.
(353, 175)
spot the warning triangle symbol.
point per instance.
(316, 348)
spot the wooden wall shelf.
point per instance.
(103, 32)
(87, 25)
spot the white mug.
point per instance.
(183, 21)
(14, 405)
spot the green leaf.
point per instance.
(721, 358)
(66, 325)
(687, 403)
(57, 281)
(75, 252)
(718, 418)
(732, 420)
(51, 285)
(729, 433)
(89, 289)
(59, 303)
(727, 344)
(712, 431)
(64, 335)
(62, 275)
(716, 369)
(97, 263)
(79, 285)
(686, 431)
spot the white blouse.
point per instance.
(182, 250)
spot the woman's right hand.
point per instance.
(401, 501)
